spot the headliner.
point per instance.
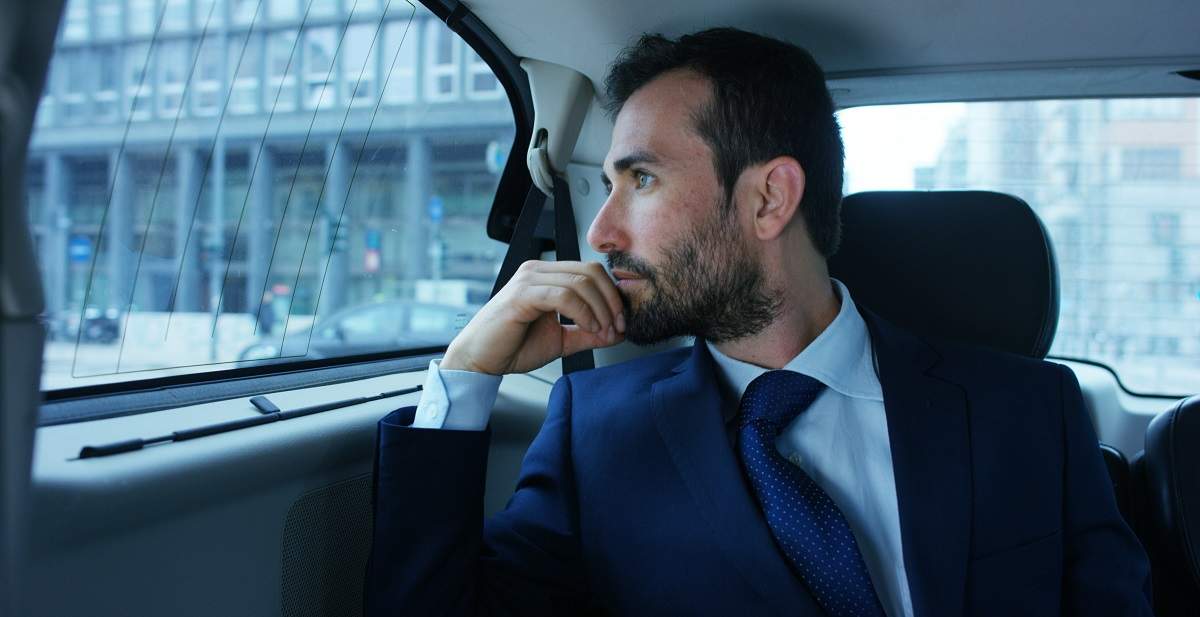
(897, 50)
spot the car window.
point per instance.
(1117, 184)
(208, 180)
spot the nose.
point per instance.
(606, 233)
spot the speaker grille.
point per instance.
(326, 542)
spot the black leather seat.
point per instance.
(974, 267)
(1168, 475)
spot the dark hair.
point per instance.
(769, 99)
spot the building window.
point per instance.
(108, 18)
(443, 53)
(322, 8)
(108, 78)
(358, 64)
(244, 12)
(75, 23)
(143, 16)
(175, 15)
(283, 10)
(481, 81)
(209, 13)
(281, 71)
(320, 45)
(206, 89)
(75, 73)
(173, 62)
(1150, 163)
(399, 63)
(247, 62)
(139, 86)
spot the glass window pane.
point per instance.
(175, 15)
(143, 16)
(174, 60)
(358, 63)
(281, 71)
(283, 10)
(138, 81)
(323, 8)
(209, 13)
(246, 64)
(319, 48)
(315, 245)
(399, 63)
(1116, 183)
(245, 12)
(108, 18)
(442, 59)
(75, 22)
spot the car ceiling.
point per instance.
(877, 51)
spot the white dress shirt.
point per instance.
(840, 441)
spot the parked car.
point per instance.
(366, 328)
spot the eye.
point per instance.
(643, 179)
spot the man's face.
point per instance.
(684, 261)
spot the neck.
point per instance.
(807, 309)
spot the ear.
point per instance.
(780, 188)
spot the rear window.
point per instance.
(1117, 184)
(217, 183)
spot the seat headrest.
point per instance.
(974, 267)
(1172, 491)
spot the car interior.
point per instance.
(1022, 176)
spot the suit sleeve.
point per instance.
(432, 553)
(1106, 571)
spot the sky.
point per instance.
(884, 144)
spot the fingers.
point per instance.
(576, 340)
(588, 283)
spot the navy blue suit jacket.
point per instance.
(631, 500)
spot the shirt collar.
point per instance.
(840, 357)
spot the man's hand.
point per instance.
(518, 330)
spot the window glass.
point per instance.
(320, 90)
(244, 12)
(281, 70)
(174, 61)
(1117, 184)
(175, 15)
(75, 22)
(143, 16)
(305, 225)
(481, 81)
(107, 18)
(442, 57)
(400, 54)
(75, 75)
(358, 63)
(206, 79)
(139, 85)
(106, 98)
(284, 10)
(210, 12)
(246, 64)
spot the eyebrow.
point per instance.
(624, 163)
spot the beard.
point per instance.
(708, 285)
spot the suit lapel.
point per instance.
(687, 412)
(929, 433)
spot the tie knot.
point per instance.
(777, 397)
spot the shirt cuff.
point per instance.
(458, 400)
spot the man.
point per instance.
(803, 457)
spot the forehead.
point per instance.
(659, 118)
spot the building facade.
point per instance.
(200, 155)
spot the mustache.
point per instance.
(618, 260)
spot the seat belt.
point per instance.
(526, 244)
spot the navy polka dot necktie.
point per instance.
(809, 528)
